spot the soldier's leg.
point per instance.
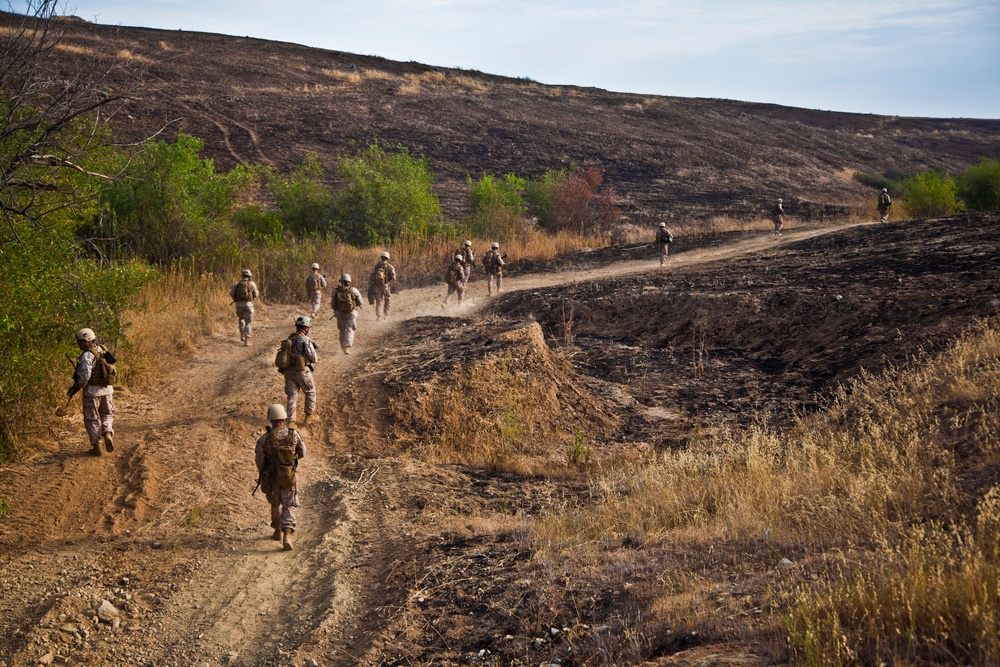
(106, 410)
(499, 280)
(239, 322)
(451, 290)
(378, 305)
(465, 275)
(489, 284)
(317, 300)
(92, 421)
(309, 389)
(289, 501)
(663, 253)
(349, 327)
(275, 499)
(460, 290)
(387, 301)
(291, 394)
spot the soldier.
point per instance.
(453, 276)
(884, 202)
(243, 293)
(663, 239)
(379, 279)
(277, 456)
(468, 259)
(778, 216)
(315, 284)
(299, 367)
(94, 374)
(493, 265)
(346, 303)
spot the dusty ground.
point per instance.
(401, 561)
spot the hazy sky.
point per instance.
(899, 57)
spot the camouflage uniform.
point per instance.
(493, 265)
(347, 322)
(884, 202)
(468, 259)
(98, 406)
(381, 294)
(454, 277)
(315, 284)
(283, 501)
(300, 379)
(244, 309)
(663, 239)
(778, 216)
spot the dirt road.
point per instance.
(167, 531)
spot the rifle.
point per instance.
(254, 492)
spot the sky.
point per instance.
(936, 58)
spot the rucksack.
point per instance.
(103, 372)
(665, 236)
(343, 300)
(243, 291)
(379, 275)
(286, 358)
(312, 282)
(284, 459)
(455, 274)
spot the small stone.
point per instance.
(106, 611)
(539, 642)
(232, 657)
(47, 659)
(784, 563)
(311, 663)
(554, 632)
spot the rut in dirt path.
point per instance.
(175, 497)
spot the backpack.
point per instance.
(283, 458)
(286, 358)
(455, 274)
(242, 292)
(379, 275)
(343, 300)
(312, 282)
(104, 372)
(665, 236)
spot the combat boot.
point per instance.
(96, 450)
(308, 418)
(276, 536)
(109, 443)
(286, 539)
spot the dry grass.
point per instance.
(891, 458)
(173, 316)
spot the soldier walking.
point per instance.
(468, 259)
(453, 276)
(243, 293)
(94, 374)
(778, 216)
(493, 265)
(315, 284)
(379, 293)
(663, 239)
(277, 457)
(346, 303)
(884, 202)
(298, 371)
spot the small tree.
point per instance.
(931, 194)
(498, 206)
(305, 203)
(571, 200)
(389, 195)
(979, 186)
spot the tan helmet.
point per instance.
(276, 412)
(780, 200)
(315, 266)
(662, 225)
(467, 243)
(885, 189)
(303, 321)
(458, 258)
(85, 334)
(384, 255)
(495, 245)
(345, 278)
(246, 273)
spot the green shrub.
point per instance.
(389, 195)
(305, 203)
(260, 226)
(894, 181)
(498, 207)
(979, 186)
(931, 194)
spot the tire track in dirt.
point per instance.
(177, 493)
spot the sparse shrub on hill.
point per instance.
(570, 200)
(931, 194)
(171, 204)
(388, 195)
(498, 207)
(979, 186)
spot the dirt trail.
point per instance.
(166, 529)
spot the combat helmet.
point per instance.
(303, 321)
(345, 278)
(276, 412)
(85, 334)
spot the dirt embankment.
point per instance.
(405, 558)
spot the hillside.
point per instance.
(269, 102)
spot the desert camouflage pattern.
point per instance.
(98, 405)
(283, 502)
(382, 295)
(244, 309)
(347, 323)
(296, 380)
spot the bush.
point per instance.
(498, 207)
(931, 194)
(305, 204)
(569, 200)
(979, 186)
(389, 195)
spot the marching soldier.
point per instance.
(379, 278)
(884, 202)
(778, 217)
(315, 284)
(298, 373)
(493, 265)
(346, 303)
(94, 374)
(277, 456)
(468, 259)
(663, 239)
(454, 276)
(243, 293)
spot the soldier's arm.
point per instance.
(84, 367)
(300, 446)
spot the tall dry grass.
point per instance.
(875, 475)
